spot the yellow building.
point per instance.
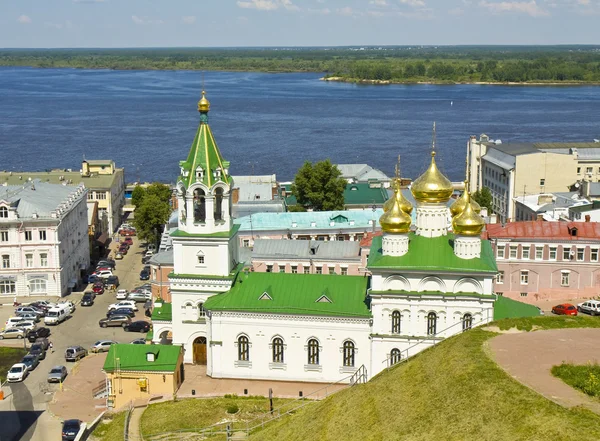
(139, 372)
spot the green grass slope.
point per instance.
(8, 357)
(453, 391)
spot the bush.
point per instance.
(233, 408)
(586, 378)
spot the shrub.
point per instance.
(233, 408)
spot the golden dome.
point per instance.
(432, 186)
(395, 220)
(468, 222)
(203, 104)
(459, 205)
(405, 205)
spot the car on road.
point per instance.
(28, 310)
(31, 361)
(38, 333)
(121, 311)
(123, 304)
(98, 289)
(75, 353)
(564, 309)
(26, 325)
(115, 320)
(123, 250)
(122, 294)
(102, 346)
(57, 374)
(88, 298)
(139, 297)
(12, 333)
(118, 256)
(18, 372)
(70, 429)
(128, 240)
(113, 281)
(127, 232)
(68, 305)
(103, 274)
(38, 349)
(138, 341)
(144, 274)
(29, 316)
(591, 307)
(138, 326)
(42, 341)
(106, 264)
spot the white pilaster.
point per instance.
(394, 244)
(467, 247)
(432, 219)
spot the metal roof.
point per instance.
(94, 182)
(255, 188)
(500, 158)
(162, 258)
(305, 249)
(545, 230)
(526, 148)
(361, 172)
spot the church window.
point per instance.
(467, 321)
(524, 277)
(313, 351)
(277, 350)
(200, 260)
(319, 270)
(395, 356)
(306, 269)
(243, 348)
(218, 204)
(396, 322)
(294, 269)
(201, 310)
(331, 270)
(349, 352)
(344, 271)
(431, 323)
(199, 205)
(3, 212)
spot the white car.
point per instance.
(122, 294)
(591, 307)
(26, 325)
(102, 346)
(69, 305)
(123, 304)
(103, 274)
(139, 296)
(18, 372)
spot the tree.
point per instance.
(161, 190)
(150, 216)
(320, 186)
(138, 195)
(484, 198)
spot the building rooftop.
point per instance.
(162, 313)
(134, 358)
(361, 172)
(566, 231)
(241, 209)
(255, 188)
(162, 258)
(551, 205)
(297, 294)
(595, 205)
(305, 249)
(355, 194)
(525, 148)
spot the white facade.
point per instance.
(43, 239)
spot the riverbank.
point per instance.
(454, 83)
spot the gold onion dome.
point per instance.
(203, 104)
(404, 204)
(468, 222)
(395, 220)
(432, 186)
(459, 205)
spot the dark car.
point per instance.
(145, 259)
(98, 289)
(31, 361)
(128, 241)
(38, 349)
(70, 429)
(113, 280)
(115, 320)
(88, 298)
(106, 264)
(144, 274)
(129, 312)
(75, 353)
(41, 306)
(93, 278)
(37, 333)
(138, 326)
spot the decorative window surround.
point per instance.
(280, 366)
(313, 368)
(243, 364)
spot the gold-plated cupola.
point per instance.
(404, 203)
(468, 222)
(395, 220)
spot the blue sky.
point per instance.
(153, 23)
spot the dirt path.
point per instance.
(529, 356)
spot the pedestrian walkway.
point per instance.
(134, 424)
(529, 356)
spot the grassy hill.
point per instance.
(453, 391)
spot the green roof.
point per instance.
(133, 358)
(509, 308)
(432, 254)
(595, 205)
(299, 294)
(204, 153)
(354, 194)
(181, 233)
(163, 313)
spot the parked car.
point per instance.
(151, 247)
(31, 360)
(98, 289)
(42, 341)
(70, 429)
(28, 310)
(103, 274)
(123, 249)
(144, 274)
(564, 309)
(106, 264)
(28, 316)
(139, 297)
(115, 320)
(147, 286)
(13, 333)
(102, 346)
(145, 259)
(75, 353)
(38, 349)
(26, 325)
(57, 375)
(118, 256)
(12, 321)
(591, 307)
(138, 326)
(145, 291)
(42, 305)
(149, 253)
(127, 232)
(18, 372)
(70, 306)
(37, 333)
(123, 304)
(113, 281)
(92, 278)
(128, 240)
(88, 298)
(122, 294)
(121, 311)
(138, 341)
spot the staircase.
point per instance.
(100, 391)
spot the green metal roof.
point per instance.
(163, 313)
(509, 308)
(354, 194)
(296, 294)
(181, 233)
(595, 205)
(432, 254)
(133, 358)
(205, 153)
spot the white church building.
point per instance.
(423, 284)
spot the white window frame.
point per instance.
(8, 287)
(43, 235)
(500, 277)
(541, 250)
(553, 250)
(28, 235)
(582, 250)
(596, 252)
(5, 260)
(525, 249)
(513, 251)
(29, 260)
(38, 286)
(4, 236)
(564, 274)
(44, 259)
(500, 251)
(524, 277)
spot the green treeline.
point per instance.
(396, 64)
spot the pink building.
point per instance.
(551, 261)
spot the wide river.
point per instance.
(268, 123)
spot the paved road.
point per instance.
(23, 413)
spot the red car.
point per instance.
(127, 232)
(128, 241)
(98, 289)
(123, 249)
(564, 309)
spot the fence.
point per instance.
(127, 418)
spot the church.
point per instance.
(423, 283)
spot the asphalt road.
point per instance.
(23, 414)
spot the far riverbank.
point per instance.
(441, 83)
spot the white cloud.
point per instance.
(138, 20)
(378, 2)
(268, 5)
(530, 8)
(414, 3)
(188, 19)
(24, 19)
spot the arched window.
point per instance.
(199, 205)
(395, 356)
(467, 321)
(3, 212)
(349, 353)
(277, 350)
(313, 351)
(201, 310)
(396, 322)
(243, 348)
(218, 204)
(431, 323)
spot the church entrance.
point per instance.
(200, 350)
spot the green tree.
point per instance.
(150, 216)
(484, 198)
(161, 190)
(320, 186)
(138, 194)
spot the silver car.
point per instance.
(12, 333)
(57, 374)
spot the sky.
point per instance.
(218, 23)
